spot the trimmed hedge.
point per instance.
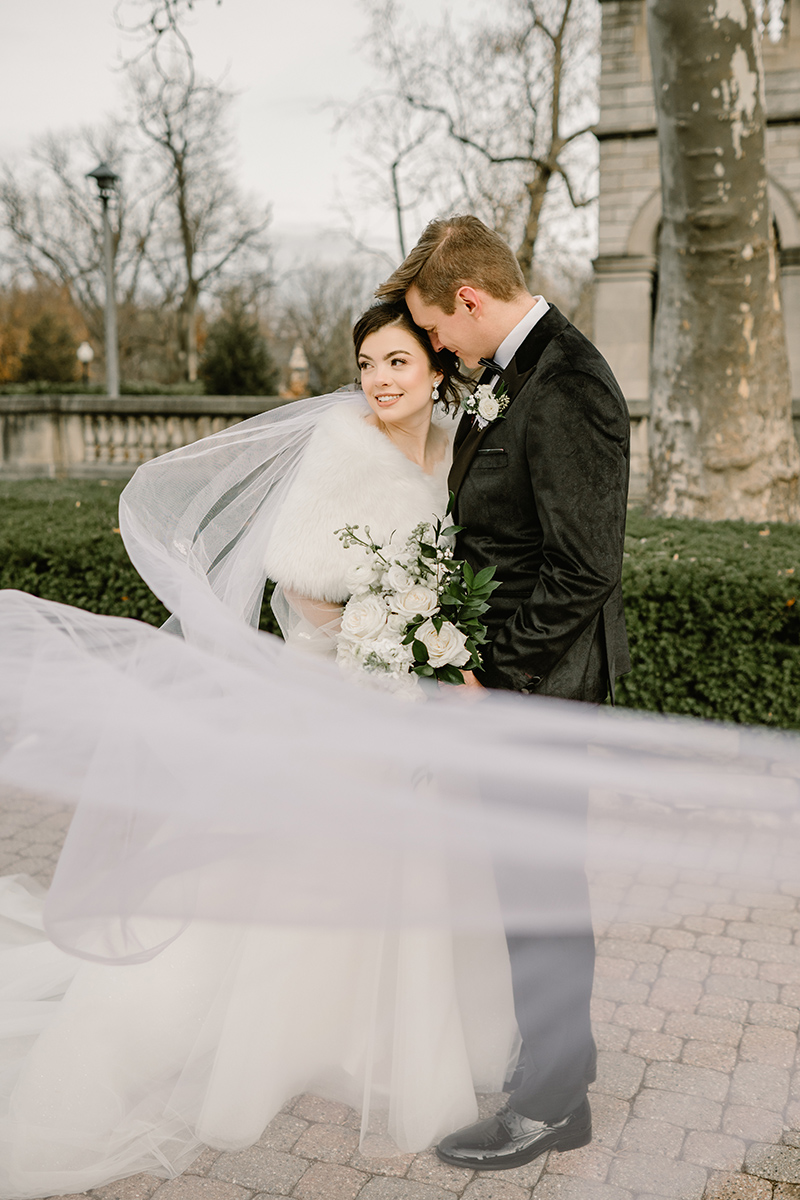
(713, 613)
(60, 539)
(713, 609)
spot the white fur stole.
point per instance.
(350, 474)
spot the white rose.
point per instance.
(361, 575)
(364, 618)
(489, 408)
(397, 578)
(397, 622)
(415, 602)
(445, 647)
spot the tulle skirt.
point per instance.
(112, 1070)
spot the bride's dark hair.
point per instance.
(396, 312)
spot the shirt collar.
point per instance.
(511, 344)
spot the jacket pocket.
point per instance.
(490, 458)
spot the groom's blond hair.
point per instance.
(452, 253)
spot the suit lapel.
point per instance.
(468, 436)
(465, 452)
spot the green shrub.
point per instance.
(236, 361)
(713, 613)
(60, 540)
(713, 609)
(51, 352)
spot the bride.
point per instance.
(198, 1031)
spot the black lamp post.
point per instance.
(107, 181)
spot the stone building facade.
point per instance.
(630, 200)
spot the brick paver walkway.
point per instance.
(696, 1010)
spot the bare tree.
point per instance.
(395, 170)
(147, 22)
(722, 442)
(319, 310)
(53, 227)
(512, 105)
(206, 226)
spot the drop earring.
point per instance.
(435, 392)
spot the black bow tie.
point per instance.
(491, 365)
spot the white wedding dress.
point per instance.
(108, 1070)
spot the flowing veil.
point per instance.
(246, 816)
(223, 774)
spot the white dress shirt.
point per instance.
(511, 344)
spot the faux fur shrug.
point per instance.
(350, 474)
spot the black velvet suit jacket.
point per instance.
(542, 496)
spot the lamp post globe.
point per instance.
(85, 354)
(107, 179)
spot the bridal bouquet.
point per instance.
(414, 610)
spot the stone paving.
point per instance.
(696, 1010)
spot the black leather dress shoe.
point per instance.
(508, 1139)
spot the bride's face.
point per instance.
(396, 374)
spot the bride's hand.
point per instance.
(471, 690)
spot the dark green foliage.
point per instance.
(714, 632)
(236, 361)
(713, 613)
(136, 388)
(51, 352)
(60, 540)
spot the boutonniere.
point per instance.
(485, 404)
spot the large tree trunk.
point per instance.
(722, 444)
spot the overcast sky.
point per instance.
(286, 58)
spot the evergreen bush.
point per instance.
(236, 361)
(50, 354)
(713, 609)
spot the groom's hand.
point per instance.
(470, 680)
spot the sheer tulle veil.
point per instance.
(222, 774)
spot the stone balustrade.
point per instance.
(93, 437)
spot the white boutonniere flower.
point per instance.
(485, 404)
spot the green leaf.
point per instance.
(420, 651)
(450, 674)
(484, 576)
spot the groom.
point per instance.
(541, 493)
